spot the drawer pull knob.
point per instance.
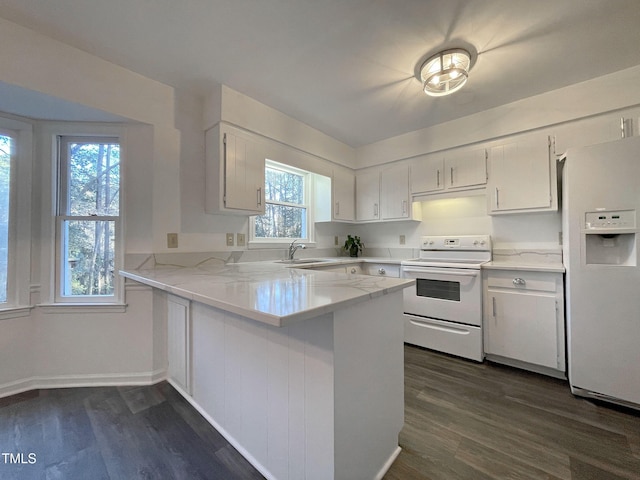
(353, 270)
(519, 281)
(382, 271)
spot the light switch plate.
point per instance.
(229, 239)
(172, 240)
(402, 239)
(240, 239)
(336, 240)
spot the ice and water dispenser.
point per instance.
(610, 238)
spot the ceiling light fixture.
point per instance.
(445, 72)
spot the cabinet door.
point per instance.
(368, 195)
(394, 196)
(427, 174)
(243, 173)
(179, 341)
(343, 186)
(590, 131)
(234, 172)
(522, 326)
(464, 170)
(520, 177)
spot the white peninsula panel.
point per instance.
(319, 399)
(302, 371)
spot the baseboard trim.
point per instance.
(388, 463)
(92, 380)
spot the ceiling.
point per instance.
(347, 67)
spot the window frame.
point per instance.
(18, 301)
(308, 185)
(85, 133)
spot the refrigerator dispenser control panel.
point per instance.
(610, 219)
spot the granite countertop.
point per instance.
(527, 260)
(525, 267)
(268, 292)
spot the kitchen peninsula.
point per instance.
(301, 370)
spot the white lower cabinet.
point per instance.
(524, 319)
(382, 269)
(179, 341)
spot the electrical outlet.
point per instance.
(229, 239)
(336, 241)
(240, 239)
(172, 240)
(402, 240)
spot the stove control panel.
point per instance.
(461, 242)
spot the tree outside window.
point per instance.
(286, 204)
(5, 197)
(89, 212)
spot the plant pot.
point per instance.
(353, 252)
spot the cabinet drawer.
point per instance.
(382, 270)
(511, 279)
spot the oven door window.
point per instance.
(440, 289)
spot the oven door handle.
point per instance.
(443, 271)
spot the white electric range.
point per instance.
(443, 311)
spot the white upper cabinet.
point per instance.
(453, 171)
(394, 196)
(368, 195)
(235, 163)
(600, 129)
(427, 174)
(344, 199)
(466, 169)
(522, 176)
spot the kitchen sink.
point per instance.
(297, 261)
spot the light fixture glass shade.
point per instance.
(445, 72)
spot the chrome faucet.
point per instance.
(293, 248)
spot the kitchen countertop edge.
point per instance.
(523, 267)
(265, 317)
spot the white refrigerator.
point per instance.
(600, 208)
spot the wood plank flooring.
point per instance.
(463, 420)
(113, 433)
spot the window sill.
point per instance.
(8, 313)
(82, 307)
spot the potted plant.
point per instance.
(353, 245)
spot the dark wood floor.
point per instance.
(113, 433)
(465, 420)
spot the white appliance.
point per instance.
(443, 311)
(601, 201)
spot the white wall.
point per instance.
(165, 192)
(58, 347)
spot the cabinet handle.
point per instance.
(382, 271)
(451, 175)
(493, 306)
(259, 196)
(404, 207)
(520, 282)
(375, 209)
(497, 198)
(337, 208)
(438, 179)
